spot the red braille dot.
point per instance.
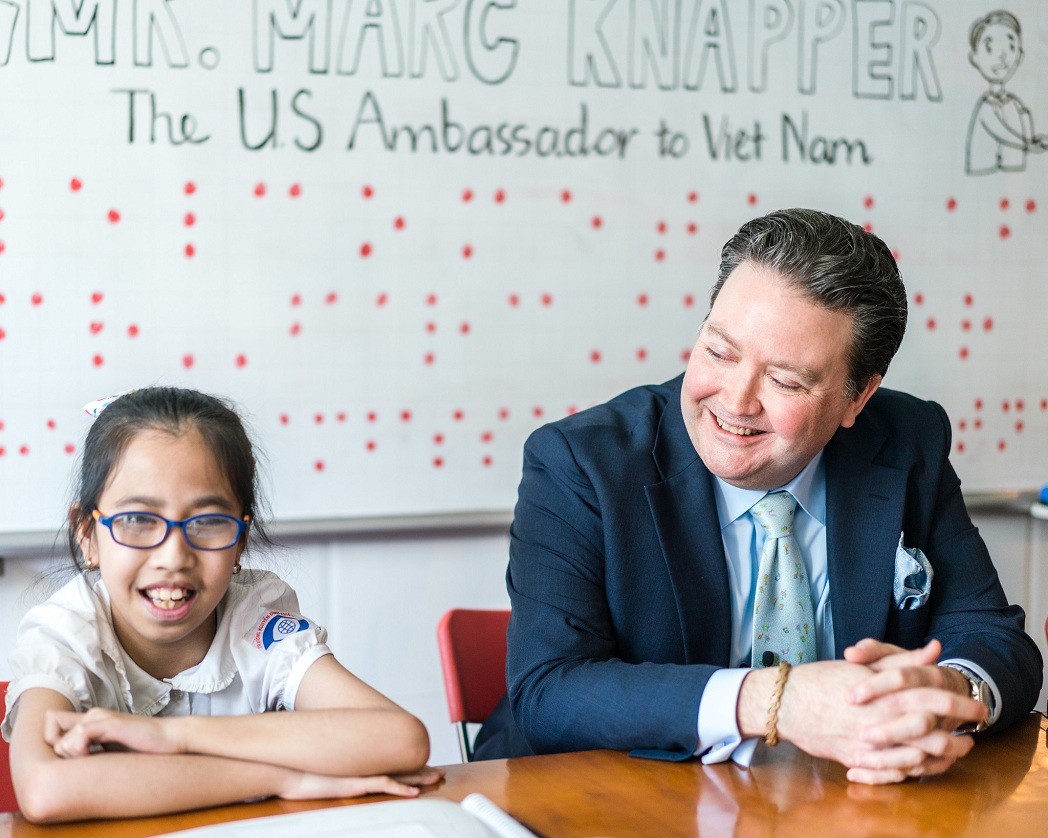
(688, 301)
(500, 196)
(962, 425)
(405, 416)
(487, 436)
(187, 361)
(660, 255)
(503, 413)
(978, 404)
(296, 299)
(285, 419)
(513, 300)
(487, 460)
(431, 299)
(371, 445)
(547, 299)
(295, 329)
(751, 199)
(918, 299)
(868, 227)
(968, 299)
(458, 415)
(2, 450)
(3, 247)
(571, 409)
(367, 192)
(977, 424)
(113, 216)
(685, 355)
(96, 326)
(189, 219)
(896, 256)
(692, 228)
(331, 298)
(467, 251)
(1006, 406)
(930, 323)
(1004, 232)
(372, 416)
(76, 184)
(642, 354)
(1019, 426)
(318, 418)
(536, 411)
(295, 190)
(1044, 404)
(241, 360)
(1, 215)
(1031, 205)
(438, 439)
(951, 204)
(70, 448)
(642, 299)
(467, 195)
(960, 447)
(1005, 203)
(595, 356)
(431, 327)
(260, 189)
(693, 197)
(340, 417)
(319, 465)
(429, 358)
(23, 450)
(868, 202)
(51, 424)
(365, 249)
(565, 196)
(464, 328)
(398, 223)
(660, 228)
(438, 462)
(190, 251)
(132, 330)
(988, 324)
(98, 360)
(1020, 405)
(966, 325)
(381, 299)
(963, 353)
(3, 334)
(597, 222)
(1001, 445)
(189, 188)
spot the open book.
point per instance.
(475, 817)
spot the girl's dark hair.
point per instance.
(175, 411)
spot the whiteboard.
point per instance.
(401, 234)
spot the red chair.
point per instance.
(473, 658)
(7, 789)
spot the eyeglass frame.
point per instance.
(107, 522)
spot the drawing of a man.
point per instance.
(1001, 131)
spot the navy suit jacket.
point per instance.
(619, 583)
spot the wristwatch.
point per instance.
(979, 691)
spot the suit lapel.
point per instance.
(864, 514)
(684, 511)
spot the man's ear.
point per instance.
(859, 402)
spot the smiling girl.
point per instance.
(144, 685)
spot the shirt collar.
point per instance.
(808, 487)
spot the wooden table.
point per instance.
(1000, 790)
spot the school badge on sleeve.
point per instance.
(276, 625)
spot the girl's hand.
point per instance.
(304, 786)
(80, 734)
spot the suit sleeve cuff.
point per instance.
(718, 722)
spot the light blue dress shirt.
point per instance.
(719, 737)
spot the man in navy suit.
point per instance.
(634, 555)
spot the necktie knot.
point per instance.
(774, 512)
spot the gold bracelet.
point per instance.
(771, 732)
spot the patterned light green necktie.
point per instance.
(783, 618)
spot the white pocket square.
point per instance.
(913, 577)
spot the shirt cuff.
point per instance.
(996, 703)
(719, 735)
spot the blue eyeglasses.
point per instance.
(143, 530)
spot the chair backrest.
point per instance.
(473, 658)
(7, 789)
